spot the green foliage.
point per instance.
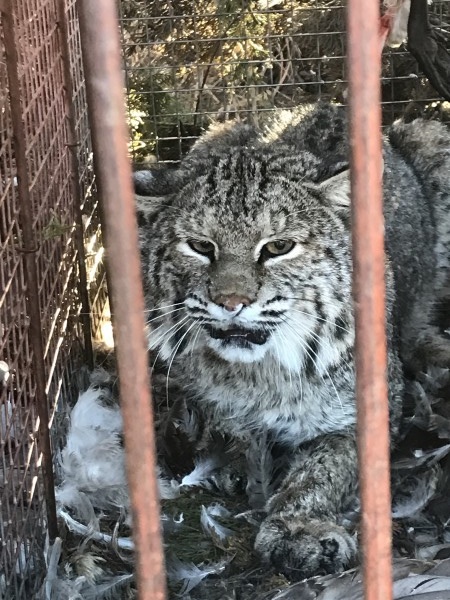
(189, 61)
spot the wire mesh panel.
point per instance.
(45, 37)
(187, 62)
(21, 520)
(96, 279)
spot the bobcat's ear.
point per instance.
(153, 190)
(160, 181)
(337, 188)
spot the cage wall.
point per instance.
(189, 62)
(59, 198)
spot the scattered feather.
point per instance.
(93, 460)
(430, 552)
(109, 589)
(191, 575)
(69, 496)
(52, 560)
(83, 530)
(426, 415)
(168, 488)
(217, 510)
(419, 585)
(412, 578)
(171, 524)
(213, 527)
(204, 468)
(422, 458)
(88, 564)
(56, 587)
(190, 424)
(413, 498)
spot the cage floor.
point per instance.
(208, 534)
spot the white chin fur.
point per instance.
(236, 354)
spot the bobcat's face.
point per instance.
(249, 259)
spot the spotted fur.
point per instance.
(282, 359)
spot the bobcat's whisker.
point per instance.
(317, 337)
(165, 314)
(312, 355)
(196, 337)
(147, 310)
(180, 341)
(283, 335)
(153, 331)
(179, 325)
(327, 321)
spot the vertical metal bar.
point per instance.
(364, 63)
(29, 247)
(102, 63)
(76, 187)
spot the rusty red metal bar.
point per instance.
(364, 63)
(29, 247)
(102, 62)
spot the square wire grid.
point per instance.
(188, 62)
(54, 198)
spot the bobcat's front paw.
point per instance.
(299, 548)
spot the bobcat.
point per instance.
(246, 259)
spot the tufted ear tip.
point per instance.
(158, 181)
(337, 188)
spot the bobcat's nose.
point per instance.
(232, 302)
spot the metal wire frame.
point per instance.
(102, 64)
(43, 298)
(369, 297)
(189, 62)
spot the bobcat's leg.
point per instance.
(301, 536)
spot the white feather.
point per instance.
(213, 527)
(52, 559)
(204, 468)
(416, 585)
(191, 575)
(168, 488)
(107, 590)
(93, 459)
(217, 510)
(68, 495)
(90, 413)
(83, 530)
(416, 500)
(171, 524)
(421, 457)
(190, 424)
(429, 552)
(54, 586)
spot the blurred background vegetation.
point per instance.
(188, 62)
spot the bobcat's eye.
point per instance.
(202, 247)
(278, 248)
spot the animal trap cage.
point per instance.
(185, 63)
(50, 266)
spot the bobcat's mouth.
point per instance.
(239, 336)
